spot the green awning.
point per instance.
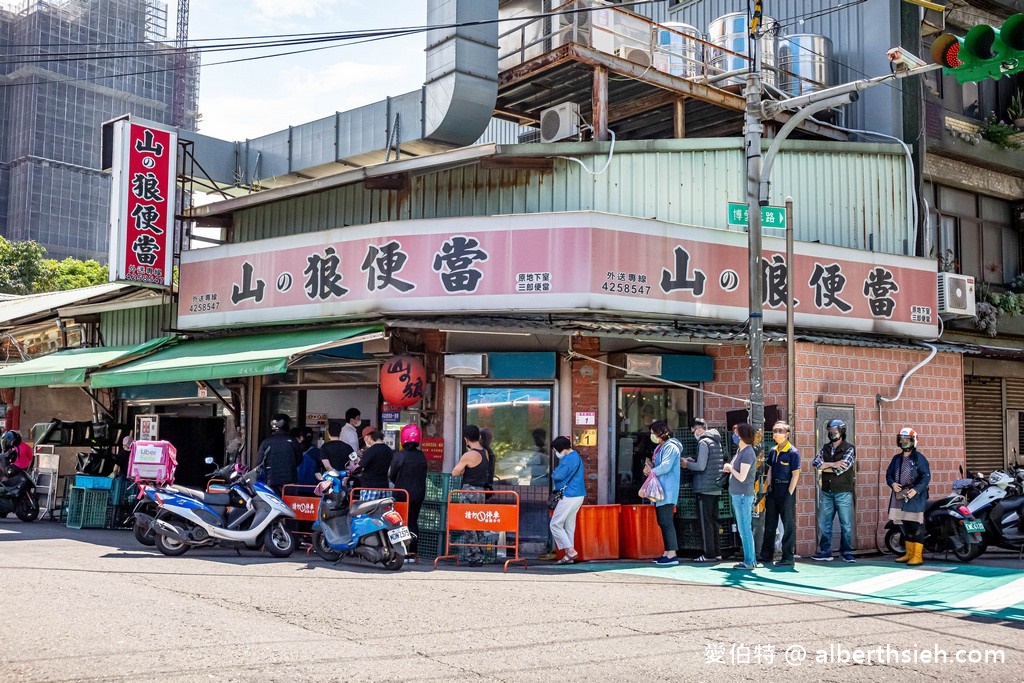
(70, 367)
(207, 359)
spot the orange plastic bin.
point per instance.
(639, 533)
(597, 532)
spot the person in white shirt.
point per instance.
(350, 430)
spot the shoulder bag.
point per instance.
(558, 494)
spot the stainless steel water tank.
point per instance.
(808, 59)
(730, 31)
(677, 52)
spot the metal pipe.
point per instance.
(790, 327)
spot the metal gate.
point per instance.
(983, 423)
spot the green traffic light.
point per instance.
(983, 53)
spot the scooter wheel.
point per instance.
(171, 547)
(969, 552)
(27, 508)
(894, 542)
(323, 549)
(395, 563)
(144, 537)
(278, 541)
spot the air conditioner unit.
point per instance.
(465, 365)
(634, 54)
(956, 295)
(560, 122)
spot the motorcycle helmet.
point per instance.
(410, 434)
(10, 439)
(836, 430)
(906, 440)
(279, 423)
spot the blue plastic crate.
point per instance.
(85, 481)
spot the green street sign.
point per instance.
(771, 216)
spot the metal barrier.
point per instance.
(305, 508)
(489, 516)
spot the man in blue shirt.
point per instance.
(783, 461)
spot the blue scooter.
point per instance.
(370, 529)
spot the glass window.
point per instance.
(970, 249)
(638, 407)
(520, 420)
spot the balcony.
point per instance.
(959, 138)
(643, 79)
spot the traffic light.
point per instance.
(985, 52)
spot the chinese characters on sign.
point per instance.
(142, 207)
(402, 381)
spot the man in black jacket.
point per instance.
(280, 454)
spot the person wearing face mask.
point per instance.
(568, 477)
(666, 467)
(908, 476)
(741, 489)
(783, 474)
(705, 468)
(835, 461)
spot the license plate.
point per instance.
(400, 534)
(974, 526)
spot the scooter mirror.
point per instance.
(209, 460)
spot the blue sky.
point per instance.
(253, 98)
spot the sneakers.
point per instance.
(784, 563)
(822, 557)
(548, 556)
(740, 565)
(848, 557)
(666, 561)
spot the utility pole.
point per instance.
(752, 130)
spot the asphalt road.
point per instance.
(95, 606)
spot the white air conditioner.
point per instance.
(956, 295)
(634, 54)
(560, 122)
(465, 365)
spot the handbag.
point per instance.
(722, 481)
(557, 494)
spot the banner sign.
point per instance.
(578, 261)
(144, 171)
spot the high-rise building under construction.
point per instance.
(66, 67)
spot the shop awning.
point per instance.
(226, 357)
(70, 367)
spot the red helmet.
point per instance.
(410, 434)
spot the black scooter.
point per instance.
(17, 490)
(949, 527)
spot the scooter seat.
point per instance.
(365, 507)
(208, 498)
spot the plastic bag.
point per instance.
(652, 489)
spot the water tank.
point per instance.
(730, 31)
(807, 57)
(677, 51)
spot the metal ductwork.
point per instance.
(461, 88)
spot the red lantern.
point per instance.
(402, 381)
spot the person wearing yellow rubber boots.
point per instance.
(908, 476)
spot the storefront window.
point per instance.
(638, 407)
(520, 420)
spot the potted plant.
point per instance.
(1015, 112)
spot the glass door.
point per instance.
(637, 407)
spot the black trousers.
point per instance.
(666, 522)
(913, 532)
(414, 522)
(779, 504)
(707, 513)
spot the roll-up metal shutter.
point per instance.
(1015, 419)
(983, 423)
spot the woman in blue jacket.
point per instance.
(567, 477)
(666, 467)
(908, 476)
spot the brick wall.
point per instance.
(931, 403)
(585, 398)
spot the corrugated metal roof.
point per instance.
(26, 309)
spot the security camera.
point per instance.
(902, 60)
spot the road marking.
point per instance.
(877, 584)
(996, 599)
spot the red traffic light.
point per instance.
(946, 51)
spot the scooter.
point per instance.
(949, 527)
(370, 529)
(999, 504)
(247, 514)
(17, 491)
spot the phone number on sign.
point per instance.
(204, 307)
(626, 288)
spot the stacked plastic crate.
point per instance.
(434, 515)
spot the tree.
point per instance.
(57, 276)
(21, 266)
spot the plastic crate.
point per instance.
(87, 508)
(725, 507)
(686, 506)
(639, 533)
(84, 481)
(432, 517)
(428, 545)
(439, 485)
(119, 517)
(597, 532)
(688, 535)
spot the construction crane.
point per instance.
(181, 67)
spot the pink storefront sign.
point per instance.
(580, 261)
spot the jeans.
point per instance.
(743, 506)
(779, 503)
(665, 515)
(707, 511)
(563, 522)
(831, 504)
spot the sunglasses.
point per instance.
(780, 431)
